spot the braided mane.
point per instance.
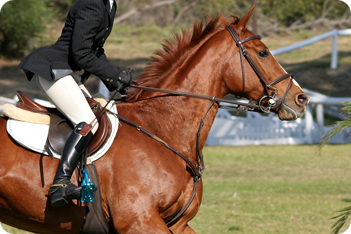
(173, 52)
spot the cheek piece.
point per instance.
(268, 101)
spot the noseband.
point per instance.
(272, 102)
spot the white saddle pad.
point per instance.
(33, 136)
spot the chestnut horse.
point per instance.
(144, 184)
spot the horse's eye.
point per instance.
(263, 54)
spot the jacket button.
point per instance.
(106, 29)
(97, 48)
(103, 39)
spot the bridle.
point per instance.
(266, 103)
(272, 102)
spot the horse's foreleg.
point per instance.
(142, 225)
(186, 230)
(181, 226)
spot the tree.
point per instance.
(273, 16)
(20, 21)
(286, 15)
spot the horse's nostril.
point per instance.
(302, 98)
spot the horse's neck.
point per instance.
(200, 73)
(176, 120)
(181, 116)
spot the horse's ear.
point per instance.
(245, 21)
(223, 22)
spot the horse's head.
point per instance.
(262, 78)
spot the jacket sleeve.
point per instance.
(87, 23)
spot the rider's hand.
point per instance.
(123, 80)
(125, 77)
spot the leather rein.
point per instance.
(272, 102)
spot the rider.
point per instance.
(62, 69)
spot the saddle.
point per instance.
(61, 128)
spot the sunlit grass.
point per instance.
(273, 189)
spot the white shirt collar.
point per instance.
(111, 4)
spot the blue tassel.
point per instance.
(88, 189)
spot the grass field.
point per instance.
(272, 189)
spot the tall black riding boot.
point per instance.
(62, 189)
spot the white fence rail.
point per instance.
(334, 55)
(257, 129)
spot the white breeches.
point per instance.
(69, 98)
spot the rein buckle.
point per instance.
(275, 90)
(272, 102)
